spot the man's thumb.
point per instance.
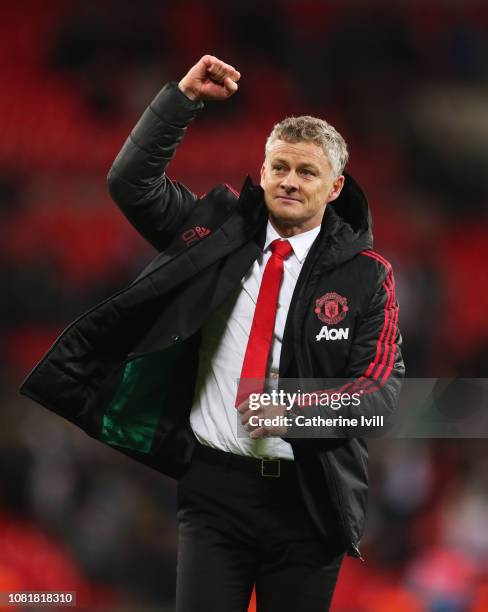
(230, 85)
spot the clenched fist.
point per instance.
(210, 79)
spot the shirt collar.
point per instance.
(300, 243)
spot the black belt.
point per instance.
(273, 468)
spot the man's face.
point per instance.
(298, 182)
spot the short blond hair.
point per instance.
(312, 129)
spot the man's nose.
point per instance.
(290, 182)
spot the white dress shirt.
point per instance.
(214, 418)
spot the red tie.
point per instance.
(259, 343)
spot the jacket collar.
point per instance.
(346, 225)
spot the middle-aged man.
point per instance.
(279, 283)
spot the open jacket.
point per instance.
(125, 370)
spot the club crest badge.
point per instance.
(331, 308)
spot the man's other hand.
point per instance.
(263, 412)
(210, 79)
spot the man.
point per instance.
(250, 287)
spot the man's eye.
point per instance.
(278, 167)
(305, 171)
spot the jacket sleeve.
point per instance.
(154, 204)
(375, 370)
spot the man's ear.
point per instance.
(337, 186)
(261, 173)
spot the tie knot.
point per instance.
(282, 248)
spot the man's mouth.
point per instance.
(288, 198)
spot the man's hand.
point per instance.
(266, 412)
(210, 79)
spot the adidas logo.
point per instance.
(202, 231)
(195, 233)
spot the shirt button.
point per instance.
(274, 375)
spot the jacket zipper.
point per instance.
(353, 545)
(357, 552)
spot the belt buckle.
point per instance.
(270, 462)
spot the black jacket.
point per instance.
(125, 370)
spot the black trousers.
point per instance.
(238, 528)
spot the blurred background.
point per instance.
(407, 85)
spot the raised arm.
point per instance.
(154, 204)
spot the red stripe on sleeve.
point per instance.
(234, 191)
